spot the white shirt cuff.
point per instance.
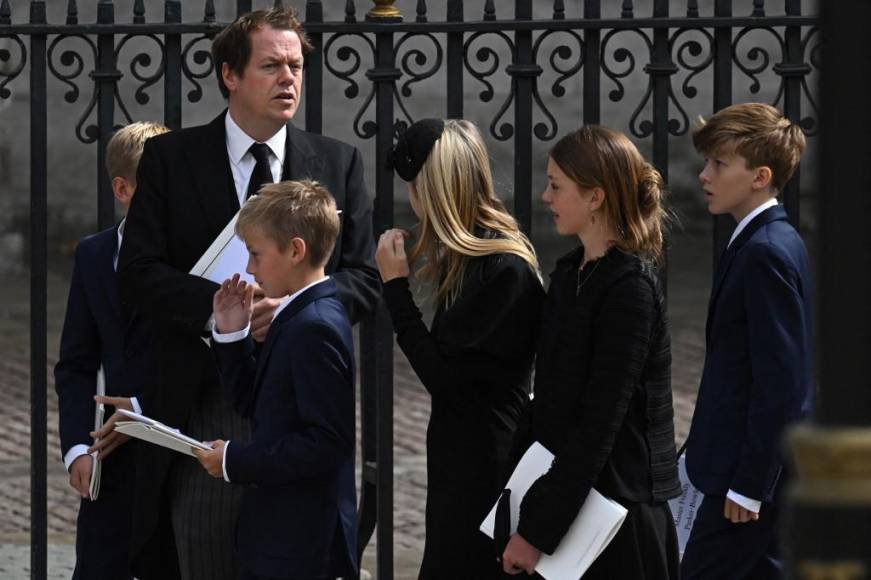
(230, 336)
(74, 453)
(752, 505)
(136, 408)
(224, 463)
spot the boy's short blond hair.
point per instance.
(125, 148)
(293, 209)
(757, 132)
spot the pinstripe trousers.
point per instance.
(204, 509)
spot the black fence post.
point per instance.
(524, 73)
(380, 331)
(723, 224)
(592, 65)
(38, 295)
(243, 7)
(661, 68)
(106, 77)
(455, 62)
(792, 70)
(829, 505)
(172, 111)
(314, 71)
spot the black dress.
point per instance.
(603, 406)
(475, 362)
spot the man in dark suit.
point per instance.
(758, 376)
(299, 522)
(97, 333)
(191, 185)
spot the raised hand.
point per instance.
(390, 255)
(233, 305)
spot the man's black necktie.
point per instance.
(262, 174)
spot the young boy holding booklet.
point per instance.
(98, 332)
(298, 515)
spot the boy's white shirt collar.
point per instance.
(293, 296)
(120, 235)
(238, 141)
(749, 217)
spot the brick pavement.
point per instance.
(689, 276)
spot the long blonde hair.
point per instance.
(454, 190)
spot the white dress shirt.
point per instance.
(242, 162)
(241, 334)
(749, 217)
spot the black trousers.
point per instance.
(719, 549)
(103, 526)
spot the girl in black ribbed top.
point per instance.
(603, 401)
(476, 358)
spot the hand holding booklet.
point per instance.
(147, 429)
(226, 256)
(590, 533)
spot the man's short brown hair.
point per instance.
(293, 209)
(757, 132)
(125, 148)
(233, 44)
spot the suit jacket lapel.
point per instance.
(722, 268)
(210, 165)
(771, 214)
(107, 274)
(322, 290)
(300, 159)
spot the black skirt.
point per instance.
(645, 548)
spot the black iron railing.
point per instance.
(401, 53)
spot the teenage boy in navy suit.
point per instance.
(298, 519)
(97, 332)
(758, 376)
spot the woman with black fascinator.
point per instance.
(475, 359)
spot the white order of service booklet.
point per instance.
(226, 256)
(147, 429)
(685, 506)
(590, 533)
(99, 414)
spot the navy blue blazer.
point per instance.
(299, 517)
(758, 373)
(96, 331)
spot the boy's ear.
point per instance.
(762, 177)
(298, 250)
(123, 190)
